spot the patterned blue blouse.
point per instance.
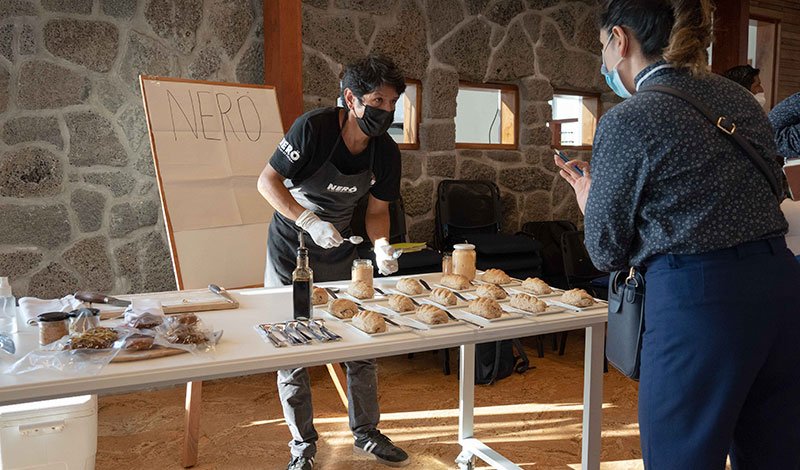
(666, 180)
(785, 119)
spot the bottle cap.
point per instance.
(463, 246)
(5, 287)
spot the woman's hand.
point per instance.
(579, 183)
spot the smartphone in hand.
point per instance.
(563, 157)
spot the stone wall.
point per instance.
(537, 45)
(79, 206)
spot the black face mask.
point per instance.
(375, 122)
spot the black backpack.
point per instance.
(496, 360)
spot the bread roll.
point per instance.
(491, 291)
(528, 303)
(409, 286)
(343, 308)
(455, 281)
(443, 296)
(537, 286)
(496, 276)
(361, 290)
(577, 297)
(319, 296)
(400, 303)
(486, 308)
(432, 315)
(369, 322)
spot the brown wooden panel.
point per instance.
(283, 56)
(730, 35)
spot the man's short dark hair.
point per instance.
(369, 74)
(744, 75)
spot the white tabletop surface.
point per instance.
(242, 350)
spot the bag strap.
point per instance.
(521, 362)
(729, 129)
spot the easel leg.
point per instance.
(339, 381)
(191, 436)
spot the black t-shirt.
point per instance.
(305, 148)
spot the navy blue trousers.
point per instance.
(720, 353)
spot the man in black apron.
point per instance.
(328, 160)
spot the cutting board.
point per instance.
(196, 300)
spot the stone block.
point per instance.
(504, 156)
(539, 135)
(467, 49)
(440, 135)
(443, 15)
(538, 156)
(44, 85)
(127, 261)
(475, 7)
(541, 4)
(316, 3)
(27, 40)
(53, 282)
(422, 231)
(587, 34)
(133, 123)
(127, 217)
(568, 68)
(157, 272)
(118, 8)
(10, 8)
(514, 57)
(30, 172)
(531, 23)
(81, 7)
(20, 262)
(89, 259)
(4, 92)
(230, 21)
(566, 18)
(365, 28)
(33, 129)
(144, 163)
(537, 207)
(206, 64)
(535, 89)
(375, 7)
(511, 212)
(90, 208)
(470, 153)
(6, 39)
(406, 42)
(118, 183)
(144, 56)
(418, 198)
(441, 164)
(536, 114)
(473, 170)
(439, 93)
(318, 78)
(412, 165)
(42, 226)
(176, 21)
(251, 66)
(331, 35)
(93, 141)
(111, 96)
(503, 11)
(92, 44)
(525, 178)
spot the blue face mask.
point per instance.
(612, 78)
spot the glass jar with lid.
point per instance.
(464, 259)
(362, 271)
(447, 262)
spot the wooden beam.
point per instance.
(283, 56)
(731, 19)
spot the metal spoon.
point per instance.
(355, 240)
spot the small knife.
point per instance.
(425, 284)
(220, 291)
(7, 344)
(97, 298)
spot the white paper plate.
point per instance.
(427, 300)
(550, 310)
(413, 318)
(474, 295)
(383, 306)
(556, 292)
(599, 304)
(390, 330)
(486, 321)
(327, 315)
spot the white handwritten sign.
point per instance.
(210, 142)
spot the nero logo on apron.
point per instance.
(342, 189)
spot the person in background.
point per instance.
(785, 120)
(748, 77)
(669, 193)
(326, 163)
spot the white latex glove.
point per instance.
(323, 233)
(384, 257)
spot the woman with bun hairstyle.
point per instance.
(669, 193)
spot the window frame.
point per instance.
(509, 94)
(555, 141)
(413, 118)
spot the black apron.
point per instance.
(333, 197)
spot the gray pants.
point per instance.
(294, 387)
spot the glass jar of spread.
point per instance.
(52, 326)
(83, 320)
(464, 259)
(447, 263)
(362, 271)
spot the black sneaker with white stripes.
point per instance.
(382, 448)
(301, 463)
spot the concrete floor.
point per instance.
(534, 419)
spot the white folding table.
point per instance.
(242, 351)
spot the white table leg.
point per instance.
(466, 403)
(592, 397)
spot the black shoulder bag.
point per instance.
(626, 289)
